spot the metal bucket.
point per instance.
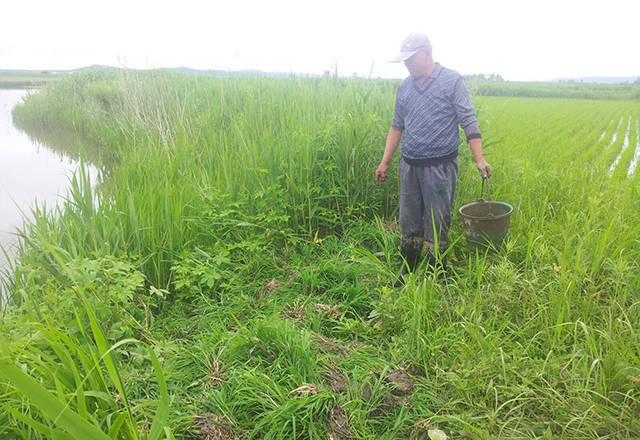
(485, 222)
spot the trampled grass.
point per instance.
(237, 231)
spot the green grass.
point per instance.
(237, 231)
(572, 90)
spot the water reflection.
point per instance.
(30, 171)
(67, 144)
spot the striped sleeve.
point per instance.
(398, 114)
(464, 110)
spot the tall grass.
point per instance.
(62, 379)
(306, 148)
(237, 229)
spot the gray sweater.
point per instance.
(429, 115)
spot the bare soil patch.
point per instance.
(402, 381)
(338, 424)
(295, 313)
(329, 345)
(331, 311)
(336, 380)
(215, 427)
(269, 287)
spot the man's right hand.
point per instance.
(390, 147)
(381, 173)
(484, 168)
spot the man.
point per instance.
(430, 104)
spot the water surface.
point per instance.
(30, 173)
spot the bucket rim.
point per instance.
(474, 217)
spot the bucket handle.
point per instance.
(482, 189)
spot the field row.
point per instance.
(633, 156)
(590, 133)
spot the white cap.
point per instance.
(410, 46)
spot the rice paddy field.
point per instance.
(230, 276)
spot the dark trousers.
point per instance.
(426, 199)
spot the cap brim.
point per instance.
(403, 56)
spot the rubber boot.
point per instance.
(411, 250)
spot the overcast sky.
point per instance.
(520, 40)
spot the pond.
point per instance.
(30, 173)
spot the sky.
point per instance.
(519, 40)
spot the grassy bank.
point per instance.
(229, 275)
(17, 80)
